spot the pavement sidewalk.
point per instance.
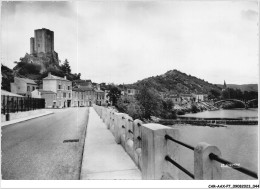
(103, 158)
(3, 124)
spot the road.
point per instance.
(34, 149)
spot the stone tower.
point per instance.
(43, 41)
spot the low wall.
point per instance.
(150, 149)
(18, 115)
(212, 123)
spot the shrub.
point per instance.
(180, 112)
(194, 108)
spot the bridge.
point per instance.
(245, 104)
(154, 149)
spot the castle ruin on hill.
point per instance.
(42, 50)
(43, 41)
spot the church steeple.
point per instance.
(225, 85)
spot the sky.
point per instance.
(125, 41)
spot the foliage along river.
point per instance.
(237, 143)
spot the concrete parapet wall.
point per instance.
(148, 147)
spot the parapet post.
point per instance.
(154, 150)
(117, 127)
(137, 124)
(204, 167)
(111, 118)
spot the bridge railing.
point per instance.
(155, 149)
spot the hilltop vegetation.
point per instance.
(175, 81)
(7, 77)
(244, 87)
(34, 72)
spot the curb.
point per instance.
(6, 123)
(82, 154)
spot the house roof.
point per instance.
(99, 91)
(50, 76)
(78, 89)
(83, 82)
(186, 95)
(86, 88)
(7, 93)
(46, 92)
(26, 80)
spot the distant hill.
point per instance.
(244, 87)
(175, 81)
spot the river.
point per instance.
(238, 144)
(251, 113)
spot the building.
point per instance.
(130, 91)
(105, 88)
(100, 97)
(200, 97)
(83, 83)
(88, 87)
(60, 86)
(23, 86)
(79, 97)
(186, 97)
(176, 99)
(42, 42)
(49, 96)
(7, 93)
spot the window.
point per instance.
(59, 86)
(28, 88)
(64, 95)
(69, 95)
(68, 87)
(38, 45)
(33, 88)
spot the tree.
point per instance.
(149, 100)
(167, 111)
(65, 67)
(114, 94)
(214, 94)
(130, 106)
(7, 77)
(194, 108)
(77, 76)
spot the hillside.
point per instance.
(244, 87)
(175, 81)
(7, 77)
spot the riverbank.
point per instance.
(234, 114)
(210, 123)
(218, 118)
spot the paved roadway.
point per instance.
(34, 149)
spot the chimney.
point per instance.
(65, 77)
(49, 74)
